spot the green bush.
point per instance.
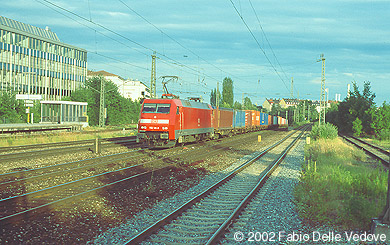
(384, 134)
(357, 127)
(325, 131)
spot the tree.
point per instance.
(237, 105)
(119, 110)
(276, 110)
(358, 105)
(248, 104)
(227, 92)
(11, 109)
(213, 97)
(357, 127)
(381, 120)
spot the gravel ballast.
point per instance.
(271, 217)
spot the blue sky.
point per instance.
(204, 41)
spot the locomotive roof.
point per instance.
(185, 103)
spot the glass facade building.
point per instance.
(34, 61)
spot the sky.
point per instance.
(261, 45)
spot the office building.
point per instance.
(34, 61)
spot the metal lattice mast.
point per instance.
(292, 88)
(101, 109)
(153, 77)
(322, 98)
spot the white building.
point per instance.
(132, 89)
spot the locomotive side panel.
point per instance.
(195, 120)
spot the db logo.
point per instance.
(154, 120)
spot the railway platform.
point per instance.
(37, 127)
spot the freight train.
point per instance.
(166, 122)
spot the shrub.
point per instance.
(357, 127)
(384, 134)
(325, 131)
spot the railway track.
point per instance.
(376, 152)
(205, 218)
(92, 176)
(14, 153)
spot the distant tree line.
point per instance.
(359, 115)
(119, 109)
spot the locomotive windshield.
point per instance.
(156, 108)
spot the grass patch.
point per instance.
(338, 188)
(383, 143)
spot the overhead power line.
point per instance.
(177, 42)
(258, 44)
(266, 38)
(160, 55)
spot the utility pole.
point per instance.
(217, 97)
(101, 109)
(153, 77)
(322, 98)
(292, 88)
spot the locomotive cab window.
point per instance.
(156, 108)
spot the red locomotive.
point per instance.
(165, 122)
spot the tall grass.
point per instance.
(338, 188)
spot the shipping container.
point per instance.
(239, 119)
(270, 122)
(275, 120)
(257, 118)
(263, 118)
(223, 118)
(248, 118)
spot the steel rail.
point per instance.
(221, 230)
(39, 192)
(371, 145)
(110, 159)
(59, 144)
(177, 212)
(368, 152)
(46, 152)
